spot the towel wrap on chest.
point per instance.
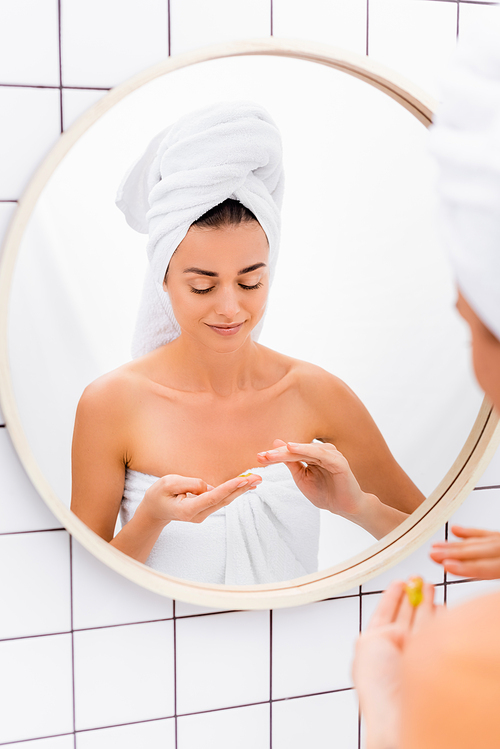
(269, 534)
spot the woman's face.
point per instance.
(485, 352)
(218, 281)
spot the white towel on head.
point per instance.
(226, 150)
(465, 139)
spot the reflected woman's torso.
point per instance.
(203, 407)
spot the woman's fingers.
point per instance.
(486, 547)
(197, 500)
(322, 455)
(173, 484)
(406, 613)
(484, 569)
(222, 498)
(395, 608)
(297, 470)
(461, 532)
(387, 610)
(427, 609)
(279, 454)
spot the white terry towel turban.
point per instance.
(465, 140)
(226, 150)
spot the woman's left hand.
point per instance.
(326, 479)
(378, 660)
(328, 482)
(478, 555)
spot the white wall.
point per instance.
(87, 659)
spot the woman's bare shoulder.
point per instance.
(112, 391)
(317, 383)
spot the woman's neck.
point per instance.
(223, 374)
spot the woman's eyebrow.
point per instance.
(201, 272)
(211, 273)
(251, 268)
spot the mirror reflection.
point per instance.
(352, 362)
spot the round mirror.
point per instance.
(362, 288)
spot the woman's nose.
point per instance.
(227, 303)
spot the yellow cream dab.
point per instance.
(242, 475)
(415, 591)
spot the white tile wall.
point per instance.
(102, 597)
(29, 42)
(296, 668)
(471, 14)
(21, 508)
(104, 42)
(36, 689)
(415, 37)
(124, 674)
(418, 563)
(76, 101)
(491, 476)
(460, 592)
(480, 510)
(27, 134)
(242, 727)
(6, 212)
(196, 24)
(321, 721)
(45, 605)
(222, 660)
(328, 21)
(119, 664)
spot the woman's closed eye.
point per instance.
(241, 285)
(250, 288)
(201, 291)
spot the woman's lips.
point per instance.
(226, 329)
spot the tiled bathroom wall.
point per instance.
(88, 660)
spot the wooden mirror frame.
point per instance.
(407, 537)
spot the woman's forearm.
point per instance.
(138, 536)
(376, 517)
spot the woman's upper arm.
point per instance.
(98, 458)
(348, 424)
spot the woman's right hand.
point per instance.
(191, 500)
(377, 667)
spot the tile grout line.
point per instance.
(119, 725)
(175, 672)
(169, 42)
(367, 26)
(36, 530)
(60, 64)
(468, 2)
(445, 576)
(270, 679)
(55, 88)
(38, 738)
(72, 636)
(360, 631)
